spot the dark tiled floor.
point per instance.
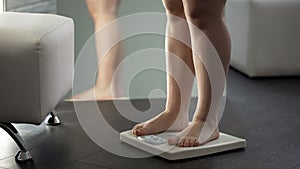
(264, 111)
(78, 165)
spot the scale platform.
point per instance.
(170, 152)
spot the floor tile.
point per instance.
(296, 167)
(53, 144)
(110, 160)
(78, 165)
(7, 146)
(264, 111)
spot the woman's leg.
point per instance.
(180, 76)
(207, 16)
(102, 13)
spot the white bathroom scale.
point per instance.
(157, 145)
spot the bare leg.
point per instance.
(102, 13)
(206, 15)
(180, 76)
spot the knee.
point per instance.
(174, 7)
(100, 8)
(201, 21)
(201, 16)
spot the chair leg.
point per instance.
(52, 120)
(23, 154)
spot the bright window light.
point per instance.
(1, 5)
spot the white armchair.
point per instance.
(265, 36)
(36, 69)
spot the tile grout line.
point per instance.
(5, 158)
(81, 158)
(93, 165)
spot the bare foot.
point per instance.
(189, 137)
(93, 94)
(162, 122)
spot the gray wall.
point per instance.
(36, 6)
(145, 81)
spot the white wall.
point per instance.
(1, 6)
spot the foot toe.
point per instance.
(180, 143)
(141, 131)
(186, 142)
(136, 127)
(197, 142)
(192, 142)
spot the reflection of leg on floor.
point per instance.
(207, 17)
(102, 13)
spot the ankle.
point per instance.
(101, 87)
(198, 120)
(171, 111)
